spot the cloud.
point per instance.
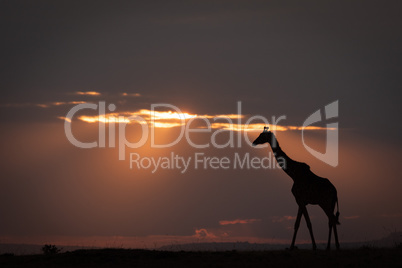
(238, 221)
(58, 103)
(283, 218)
(203, 233)
(64, 118)
(170, 119)
(42, 105)
(131, 94)
(88, 93)
(157, 119)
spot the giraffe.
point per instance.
(307, 188)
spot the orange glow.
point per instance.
(109, 118)
(166, 125)
(155, 118)
(171, 119)
(88, 93)
(64, 118)
(131, 94)
(229, 116)
(42, 105)
(165, 115)
(204, 233)
(250, 127)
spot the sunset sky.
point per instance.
(207, 58)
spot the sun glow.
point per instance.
(165, 115)
(171, 119)
(109, 118)
(158, 119)
(88, 93)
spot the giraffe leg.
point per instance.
(310, 228)
(329, 235)
(297, 224)
(336, 237)
(332, 225)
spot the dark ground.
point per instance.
(364, 257)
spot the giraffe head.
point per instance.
(265, 136)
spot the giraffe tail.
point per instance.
(337, 212)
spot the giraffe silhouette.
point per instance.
(307, 188)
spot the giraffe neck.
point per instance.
(282, 158)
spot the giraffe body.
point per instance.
(308, 188)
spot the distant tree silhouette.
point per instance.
(308, 188)
(50, 249)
